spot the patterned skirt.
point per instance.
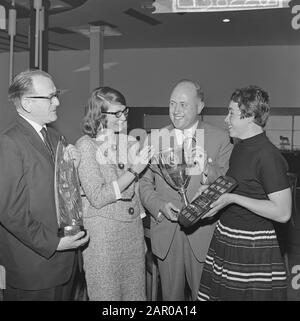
(243, 266)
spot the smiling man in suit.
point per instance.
(181, 253)
(39, 265)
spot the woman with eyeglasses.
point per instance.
(109, 171)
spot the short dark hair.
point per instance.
(23, 84)
(253, 101)
(94, 120)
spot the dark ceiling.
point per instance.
(70, 19)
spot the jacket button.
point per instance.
(131, 210)
(121, 165)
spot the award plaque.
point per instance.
(195, 210)
(67, 193)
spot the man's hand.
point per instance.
(73, 242)
(74, 154)
(171, 212)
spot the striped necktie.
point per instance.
(47, 142)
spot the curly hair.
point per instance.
(253, 101)
(100, 98)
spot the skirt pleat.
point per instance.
(244, 266)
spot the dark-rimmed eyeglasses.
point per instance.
(50, 97)
(119, 113)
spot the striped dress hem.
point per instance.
(243, 265)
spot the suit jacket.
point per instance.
(154, 192)
(28, 224)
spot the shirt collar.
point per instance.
(34, 124)
(182, 134)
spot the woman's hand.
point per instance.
(139, 160)
(220, 203)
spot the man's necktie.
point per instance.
(47, 142)
(188, 145)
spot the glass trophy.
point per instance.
(176, 164)
(171, 166)
(67, 193)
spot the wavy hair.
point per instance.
(253, 101)
(100, 98)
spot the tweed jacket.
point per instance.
(97, 177)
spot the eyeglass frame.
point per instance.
(118, 114)
(50, 97)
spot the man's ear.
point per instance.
(25, 103)
(201, 105)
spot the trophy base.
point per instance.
(70, 230)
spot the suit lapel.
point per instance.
(33, 137)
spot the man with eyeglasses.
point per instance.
(39, 265)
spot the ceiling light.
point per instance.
(225, 20)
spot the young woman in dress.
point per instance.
(244, 260)
(110, 164)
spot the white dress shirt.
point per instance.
(185, 134)
(37, 127)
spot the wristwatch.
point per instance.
(136, 175)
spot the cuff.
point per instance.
(159, 217)
(117, 190)
(204, 178)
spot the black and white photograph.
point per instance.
(149, 153)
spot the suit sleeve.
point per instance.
(149, 197)
(15, 213)
(221, 163)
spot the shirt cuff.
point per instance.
(159, 217)
(117, 190)
(204, 178)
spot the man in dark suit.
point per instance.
(39, 265)
(181, 253)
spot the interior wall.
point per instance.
(146, 76)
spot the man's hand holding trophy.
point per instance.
(176, 164)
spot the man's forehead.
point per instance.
(40, 82)
(185, 90)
